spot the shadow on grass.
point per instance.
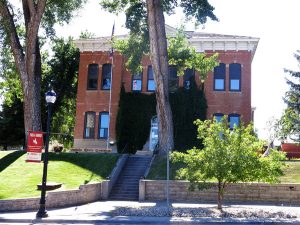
(9, 159)
(100, 164)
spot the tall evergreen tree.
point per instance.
(292, 99)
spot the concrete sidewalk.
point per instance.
(104, 212)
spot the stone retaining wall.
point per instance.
(85, 194)
(240, 192)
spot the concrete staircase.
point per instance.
(127, 186)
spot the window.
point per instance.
(89, 125)
(235, 77)
(234, 119)
(103, 125)
(188, 78)
(219, 77)
(173, 79)
(218, 117)
(137, 80)
(92, 77)
(106, 76)
(150, 79)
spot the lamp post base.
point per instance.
(42, 213)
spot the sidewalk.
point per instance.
(105, 212)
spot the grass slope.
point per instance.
(159, 168)
(19, 179)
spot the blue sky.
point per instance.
(274, 22)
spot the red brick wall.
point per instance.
(225, 102)
(228, 102)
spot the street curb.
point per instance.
(154, 220)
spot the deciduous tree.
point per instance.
(228, 156)
(31, 14)
(146, 19)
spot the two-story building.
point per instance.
(227, 88)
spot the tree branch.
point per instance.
(32, 33)
(31, 6)
(7, 21)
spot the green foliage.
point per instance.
(229, 156)
(137, 109)
(133, 49)
(181, 54)
(11, 123)
(62, 74)
(59, 12)
(61, 71)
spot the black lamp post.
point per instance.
(50, 99)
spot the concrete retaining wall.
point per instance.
(241, 192)
(85, 194)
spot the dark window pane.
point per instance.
(106, 76)
(137, 82)
(219, 77)
(150, 73)
(92, 77)
(89, 128)
(235, 77)
(150, 79)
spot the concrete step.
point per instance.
(127, 185)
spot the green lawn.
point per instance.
(19, 179)
(292, 172)
(158, 171)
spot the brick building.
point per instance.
(227, 88)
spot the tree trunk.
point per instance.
(220, 195)
(159, 59)
(28, 61)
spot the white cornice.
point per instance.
(202, 42)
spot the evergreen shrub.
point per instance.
(137, 109)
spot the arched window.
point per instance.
(89, 125)
(188, 77)
(219, 77)
(103, 125)
(235, 77)
(150, 79)
(137, 80)
(173, 79)
(92, 77)
(233, 119)
(106, 77)
(218, 117)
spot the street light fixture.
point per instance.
(50, 99)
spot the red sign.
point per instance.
(34, 146)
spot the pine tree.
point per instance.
(292, 99)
